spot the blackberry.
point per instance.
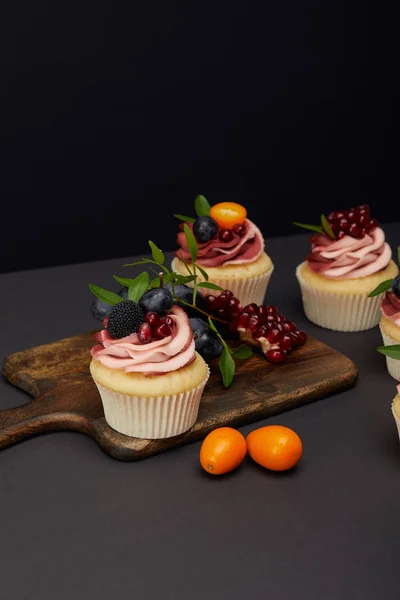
(125, 318)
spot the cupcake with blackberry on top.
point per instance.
(390, 323)
(349, 258)
(144, 364)
(230, 250)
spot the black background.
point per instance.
(115, 115)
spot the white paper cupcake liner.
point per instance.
(154, 417)
(393, 365)
(396, 418)
(251, 289)
(339, 312)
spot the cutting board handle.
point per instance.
(37, 417)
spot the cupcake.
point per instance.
(349, 258)
(390, 322)
(396, 409)
(149, 376)
(230, 252)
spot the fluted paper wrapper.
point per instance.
(396, 418)
(251, 289)
(154, 417)
(339, 312)
(393, 365)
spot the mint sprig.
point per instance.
(138, 286)
(158, 255)
(226, 363)
(390, 351)
(327, 228)
(202, 206)
(105, 295)
(381, 288)
(316, 228)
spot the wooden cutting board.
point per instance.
(65, 397)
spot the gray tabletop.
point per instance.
(76, 523)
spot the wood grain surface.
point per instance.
(65, 397)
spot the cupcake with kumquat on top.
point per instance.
(349, 258)
(230, 250)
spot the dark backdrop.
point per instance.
(115, 115)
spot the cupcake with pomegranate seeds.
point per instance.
(230, 251)
(390, 322)
(144, 364)
(349, 258)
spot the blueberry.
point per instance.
(208, 345)
(396, 285)
(199, 326)
(205, 229)
(100, 310)
(186, 294)
(157, 300)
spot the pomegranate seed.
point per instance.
(276, 356)
(332, 216)
(363, 209)
(222, 301)
(340, 214)
(225, 235)
(273, 336)
(243, 320)
(152, 318)
(303, 336)
(271, 309)
(364, 220)
(352, 216)
(162, 331)
(335, 227)
(261, 333)
(168, 321)
(373, 223)
(270, 319)
(278, 318)
(145, 334)
(344, 225)
(289, 326)
(354, 230)
(105, 322)
(255, 322)
(251, 308)
(234, 304)
(239, 229)
(262, 310)
(341, 235)
(212, 302)
(228, 293)
(286, 342)
(279, 327)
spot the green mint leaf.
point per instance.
(327, 228)
(191, 242)
(382, 287)
(202, 206)
(154, 283)
(316, 228)
(203, 272)
(243, 352)
(104, 295)
(157, 254)
(208, 285)
(125, 281)
(184, 218)
(138, 287)
(391, 351)
(227, 367)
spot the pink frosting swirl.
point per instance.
(390, 307)
(349, 258)
(156, 358)
(239, 251)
